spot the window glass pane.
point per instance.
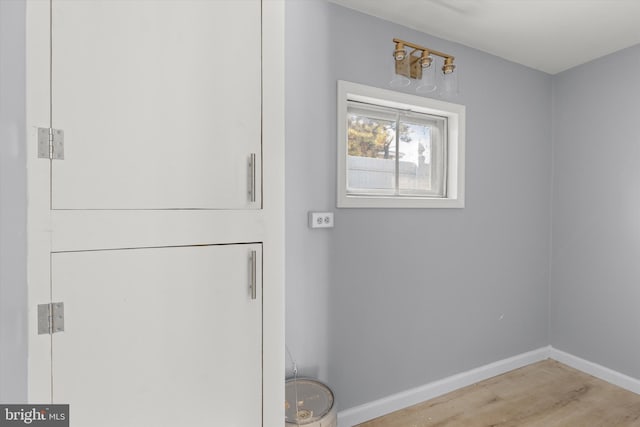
(370, 154)
(421, 158)
(415, 157)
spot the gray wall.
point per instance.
(13, 288)
(309, 174)
(595, 280)
(393, 299)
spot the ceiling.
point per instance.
(548, 35)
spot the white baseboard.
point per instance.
(598, 371)
(377, 408)
(395, 402)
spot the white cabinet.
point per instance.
(160, 104)
(154, 226)
(160, 337)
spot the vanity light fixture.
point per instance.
(419, 64)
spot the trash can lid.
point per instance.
(314, 401)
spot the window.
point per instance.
(398, 150)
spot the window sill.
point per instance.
(354, 201)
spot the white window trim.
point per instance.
(455, 115)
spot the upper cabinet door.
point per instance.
(160, 104)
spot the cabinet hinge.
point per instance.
(50, 144)
(50, 318)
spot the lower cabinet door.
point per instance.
(159, 336)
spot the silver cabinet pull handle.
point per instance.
(252, 177)
(253, 261)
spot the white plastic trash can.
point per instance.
(309, 403)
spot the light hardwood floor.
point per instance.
(545, 394)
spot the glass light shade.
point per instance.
(428, 81)
(449, 87)
(399, 80)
